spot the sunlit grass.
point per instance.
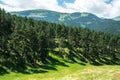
(68, 71)
(73, 72)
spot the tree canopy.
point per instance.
(26, 42)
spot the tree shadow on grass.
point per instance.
(33, 71)
(6, 69)
(3, 70)
(110, 62)
(33, 68)
(51, 65)
(36, 69)
(53, 62)
(47, 67)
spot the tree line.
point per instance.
(24, 41)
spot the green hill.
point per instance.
(86, 20)
(40, 50)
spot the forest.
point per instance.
(27, 42)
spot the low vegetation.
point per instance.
(69, 72)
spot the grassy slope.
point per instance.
(72, 71)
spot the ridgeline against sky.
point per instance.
(101, 8)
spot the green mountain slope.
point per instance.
(73, 19)
(31, 47)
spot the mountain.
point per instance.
(86, 20)
(117, 18)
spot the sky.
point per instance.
(101, 8)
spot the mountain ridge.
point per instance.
(84, 19)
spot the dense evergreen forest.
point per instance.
(26, 42)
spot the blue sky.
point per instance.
(108, 1)
(101, 8)
(61, 2)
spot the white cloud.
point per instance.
(97, 7)
(115, 10)
(17, 5)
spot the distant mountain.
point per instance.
(86, 20)
(117, 18)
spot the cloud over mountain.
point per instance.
(101, 8)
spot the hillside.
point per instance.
(86, 20)
(31, 49)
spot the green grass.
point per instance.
(74, 71)
(63, 70)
